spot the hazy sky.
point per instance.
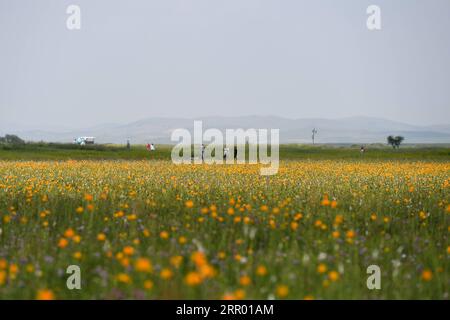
(186, 58)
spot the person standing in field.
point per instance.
(225, 153)
(235, 152)
(203, 152)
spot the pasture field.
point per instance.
(153, 230)
(61, 151)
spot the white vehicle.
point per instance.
(84, 140)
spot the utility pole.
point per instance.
(314, 131)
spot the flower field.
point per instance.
(154, 230)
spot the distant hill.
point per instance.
(158, 130)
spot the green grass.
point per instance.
(373, 153)
(75, 152)
(54, 151)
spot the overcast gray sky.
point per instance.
(186, 58)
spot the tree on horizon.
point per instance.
(395, 142)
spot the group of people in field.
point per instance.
(226, 151)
